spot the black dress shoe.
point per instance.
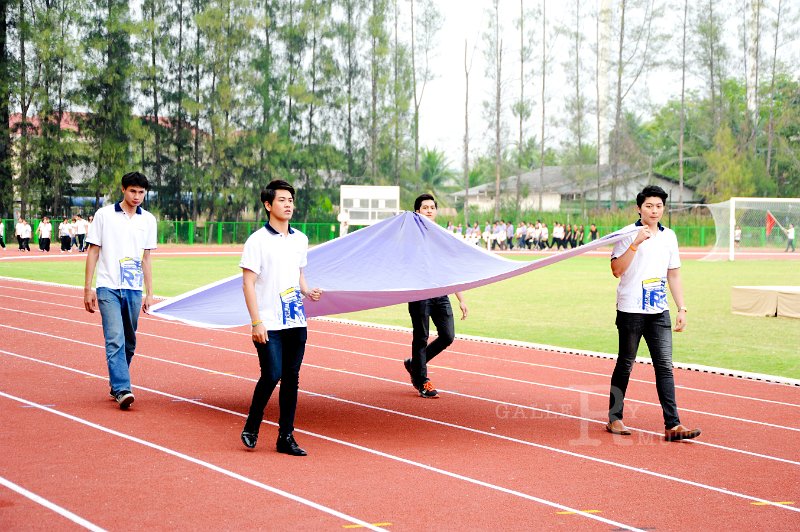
(287, 445)
(249, 439)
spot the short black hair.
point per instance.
(424, 197)
(651, 191)
(268, 194)
(135, 179)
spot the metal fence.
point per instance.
(175, 232)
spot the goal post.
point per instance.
(752, 225)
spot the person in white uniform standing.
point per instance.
(274, 287)
(120, 241)
(646, 262)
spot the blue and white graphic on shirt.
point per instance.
(130, 273)
(293, 312)
(654, 294)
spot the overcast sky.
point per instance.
(442, 111)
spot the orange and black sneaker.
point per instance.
(427, 390)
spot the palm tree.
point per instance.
(433, 170)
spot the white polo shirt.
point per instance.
(81, 227)
(122, 241)
(643, 287)
(45, 230)
(277, 260)
(23, 230)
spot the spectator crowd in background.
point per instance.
(71, 234)
(536, 236)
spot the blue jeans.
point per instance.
(657, 332)
(438, 310)
(119, 310)
(280, 360)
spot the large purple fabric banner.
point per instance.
(404, 258)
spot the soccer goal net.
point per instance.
(752, 226)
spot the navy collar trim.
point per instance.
(640, 224)
(272, 230)
(118, 208)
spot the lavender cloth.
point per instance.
(400, 259)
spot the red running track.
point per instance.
(515, 442)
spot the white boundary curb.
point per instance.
(595, 354)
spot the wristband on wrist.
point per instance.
(632, 247)
(256, 323)
(683, 309)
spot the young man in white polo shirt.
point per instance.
(645, 262)
(81, 228)
(274, 286)
(438, 310)
(120, 240)
(45, 231)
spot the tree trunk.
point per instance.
(466, 136)
(24, 104)
(196, 121)
(601, 85)
(6, 189)
(579, 105)
(544, 81)
(179, 126)
(313, 65)
(396, 92)
(497, 147)
(771, 122)
(60, 109)
(373, 119)
(754, 53)
(683, 104)
(348, 141)
(712, 65)
(290, 71)
(155, 88)
(617, 111)
(497, 101)
(414, 88)
(521, 103)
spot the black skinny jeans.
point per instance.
(439, 310)
(280, 360)
(657, 332)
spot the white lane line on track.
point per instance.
(564, 388)
(426, 420)
(78, 520)
(487, 375)
(468, 396)
(451, 351)
(447, 368)
(548, 349)
(196, 461)
(313, 434)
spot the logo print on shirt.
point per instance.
(130, 273)
(294, 314)
(654, 294)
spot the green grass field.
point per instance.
(569, 304)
